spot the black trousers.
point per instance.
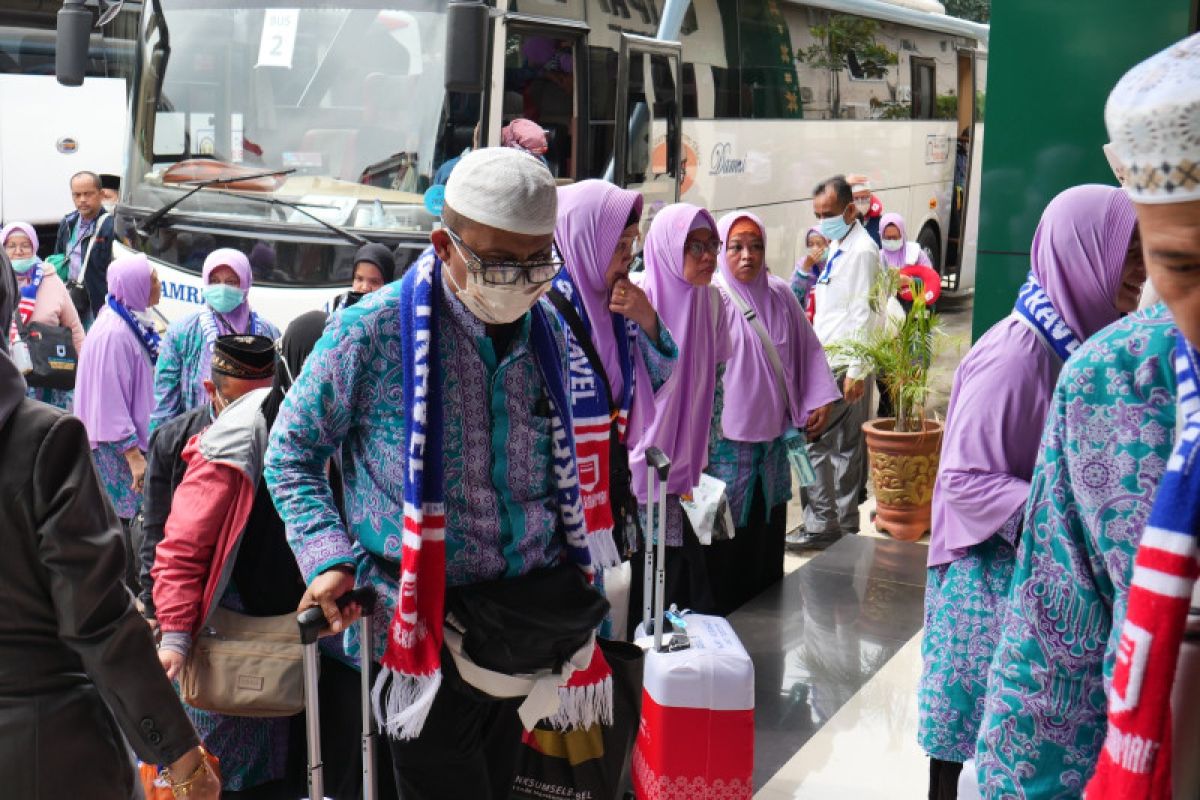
(467, 749)
(741, 567)
(943, 779)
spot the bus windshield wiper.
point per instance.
(275, 201)
(151, 222)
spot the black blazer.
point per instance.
(77, 662)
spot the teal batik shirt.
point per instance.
(1105, 446)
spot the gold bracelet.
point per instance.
(184, 787)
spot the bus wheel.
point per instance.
(931, 243)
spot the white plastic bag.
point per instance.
(708, 510)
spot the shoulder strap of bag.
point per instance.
(769, 346)
(91, 243)
(567, 310)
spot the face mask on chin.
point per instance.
(495, 305)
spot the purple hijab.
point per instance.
(683, 408)
(239, 318)
(114, 390)
(754, 411)
(1002, 389)
(591, 217)
(27, 229)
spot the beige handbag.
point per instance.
(245, 666)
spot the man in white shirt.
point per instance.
(843, 312)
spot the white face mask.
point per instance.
(496, 305)
(863, 205)
(110, 207)
(892, 244)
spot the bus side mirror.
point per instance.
(466, 46)
(74, 33)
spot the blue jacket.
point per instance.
(95, 278)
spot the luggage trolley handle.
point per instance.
(311, 622)
(657, 466)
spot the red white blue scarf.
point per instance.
(1136, 759)
(412, 672)
(592, 423)
(27, 302)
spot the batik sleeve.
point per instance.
(168, 373)
(658, 355)
(314, 420)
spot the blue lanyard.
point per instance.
(823, 278)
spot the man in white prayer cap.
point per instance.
(444, 391)
(1106, 565)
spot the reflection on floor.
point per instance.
(817, 638)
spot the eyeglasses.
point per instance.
(697, 248)
(18, 247)
(737, 247)
(507, 273)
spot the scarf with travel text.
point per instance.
(412, 673)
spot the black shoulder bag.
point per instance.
(52, 352)
(627, 526)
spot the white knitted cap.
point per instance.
(1153, 119)
(504, 188)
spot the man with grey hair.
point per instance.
(444, 392)
(85, 238)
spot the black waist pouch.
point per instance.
(522, 625)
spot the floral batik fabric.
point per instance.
(116, 477)
(964, 606)
(1107, 440)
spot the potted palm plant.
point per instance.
(903, 450)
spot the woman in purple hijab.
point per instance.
(681, 258)
(597, 226)
(114, 390)
(760, 408)
(1086, 271)
(188, 344)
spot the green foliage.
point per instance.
(901, 353)
(946, 106)
(974, 10)
(842, 35)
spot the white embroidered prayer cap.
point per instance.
(506, 189)
(1153, 119)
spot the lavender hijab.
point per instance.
(12, 384)
(114, 389)
(236, 260)
(591, 218)
(754, 410)
(1002, 389)
(683, 407)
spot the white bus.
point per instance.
(49, 132)
(336, 116)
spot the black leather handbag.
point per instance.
(52, 352)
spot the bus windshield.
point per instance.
(346, 96)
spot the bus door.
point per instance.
(648, 121)
(543, 83)
(964, 148)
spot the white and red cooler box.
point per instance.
(696, 737)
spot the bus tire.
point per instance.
(931, 243)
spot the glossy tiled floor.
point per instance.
(817, 638)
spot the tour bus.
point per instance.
(296, 131)
(49, 132)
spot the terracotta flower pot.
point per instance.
(903, 469)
